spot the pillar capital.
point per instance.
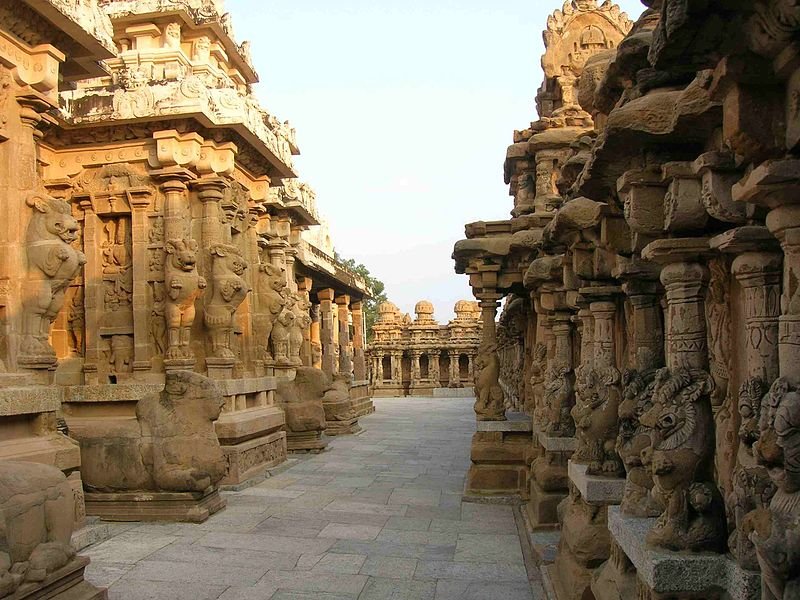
(326, 294)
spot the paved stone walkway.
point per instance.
(378, 516)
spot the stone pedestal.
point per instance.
(360, 395)
(595, 489)
(312, 442)
(664, 575)
(65, 584)
(501, 455)
(185, 507)
(249, 429)
(549, 480)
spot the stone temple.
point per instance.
(186, 395)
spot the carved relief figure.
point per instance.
(489, 405)
(121, 358)
(776, 531)
(228, 291)
(270, 283)
(158, 324)
(76, 320)
(52, 264)
(296, 329)
(171, 446)
(634, 442)
(202, 49)
(302, 324)
(681, 424)
(597, 398)
(184, 286)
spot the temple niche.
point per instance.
(650, 283)
(160, 278)
(421, 357)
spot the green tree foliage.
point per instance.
(378, 290)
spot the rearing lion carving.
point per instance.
(52, 264)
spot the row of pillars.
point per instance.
(395, 376)
(336, 356)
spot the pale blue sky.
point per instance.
(404, 110)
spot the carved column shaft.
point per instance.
(604, 347)
(646, 322)
(784, 223)
(141, 289)
(686, 338)
(314, 336)
(326, 308)
(359, 366)
(759, 274)
(345, 362)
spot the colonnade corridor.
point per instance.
(377, 516)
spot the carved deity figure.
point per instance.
(281, 332)
(76, 321)
(52, 264)
(172, 35)
(270, 299)
(559, 398)
(682, 428)
(489, 405)
(535, 405)
(202, 49)
(634, 442)
(775, 531)
(170, 447)
(752, 487)
(597, 398)
(184, 286)
(121, 358)
(228, 291)
(36, 517)
(301, 321)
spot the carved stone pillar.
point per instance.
(453, 364)
(345, 360)
(683, 389)
(758, 268)
(490, 403)
(326, 330)
(314, 337)
(359, 365)
(141, 290)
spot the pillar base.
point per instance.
(542, 508)
(65, 584)
(251, 459)
(501, 460)
(185, 507)
(306, 441)
(347, 427)
(663, 574)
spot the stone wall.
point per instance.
(650, 273)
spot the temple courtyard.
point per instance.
(377, 516)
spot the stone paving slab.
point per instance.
(378, 516)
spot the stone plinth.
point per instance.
(312, 442)
(185, 507)
(67, 583)
(345, 427)
(501, 455)
(362, 402)
(667, 574)
(549, 479)
(465, 392)
(596, 490)
(249, 429)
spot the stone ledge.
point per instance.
(111, 392)
(596, 490)
(465, 392)
(557, 444)
(514, 422)
(669, 572)
(29, 400)
(253, 385)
